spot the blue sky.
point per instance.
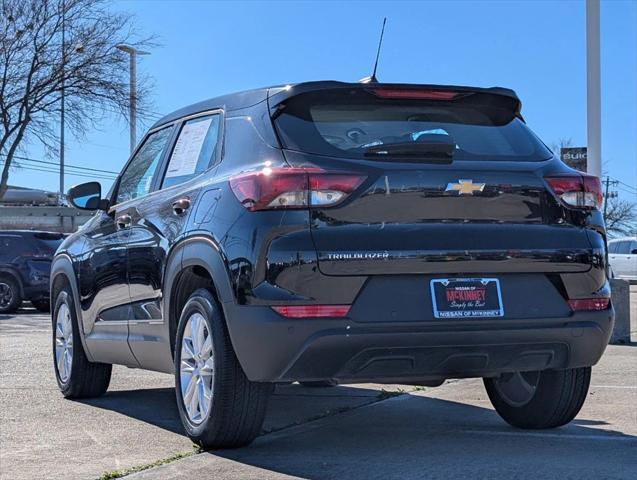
(535, 47)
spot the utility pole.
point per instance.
(132, 108)
(62, 105)
(593, 89)
(606, 194)
(608, 182)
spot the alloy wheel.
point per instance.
(63, 342)
(6, 295)
(518, 388)
(197, 368)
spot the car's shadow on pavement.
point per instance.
(289, 405)
(398, 438)
(412, 436)
(156, 406)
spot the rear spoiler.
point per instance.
(278, 95)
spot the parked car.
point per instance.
(622, 256)
(338, 232)
(25, 263)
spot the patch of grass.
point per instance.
(385, 394)
(163, 461)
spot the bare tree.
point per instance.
(35, 65)
(557, 146)
(621, 217)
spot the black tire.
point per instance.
(87, 379)
(42, 305)
(238, 405)
(557, 399)
(10, 298)
(319, 384)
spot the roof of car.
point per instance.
(248, 98)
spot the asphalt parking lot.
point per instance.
(362, 431)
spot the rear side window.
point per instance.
(9, 245)
(49, 241)
(348, 122)
(137, 179)
(623, 247)
(612, 247)
(194, 150)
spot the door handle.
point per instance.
(123, 221)
(180, 206)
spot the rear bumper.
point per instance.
(274, 349)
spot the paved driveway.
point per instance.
(343, 432)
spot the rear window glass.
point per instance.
(50, 244)
(348, 122)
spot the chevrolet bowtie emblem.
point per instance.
(465, 187)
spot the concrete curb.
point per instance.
(620, 296)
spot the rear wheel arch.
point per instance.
(195, 263)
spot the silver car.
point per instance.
(622, 256)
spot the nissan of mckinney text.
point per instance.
(329, 232)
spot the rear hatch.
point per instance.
(451, 181)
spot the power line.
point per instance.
(74, 174)
(630, 192)
(631, 189)
(77, 174)
(74, 170)
(97, 170)
(29, 159)
(48, 166)
(627, 185)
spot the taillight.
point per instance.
(579, 191)
(312, 311)
(589, 304)
(277, 188)
(415, 94)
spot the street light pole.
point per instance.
(593, 89)
(62, 107)
(132, 109)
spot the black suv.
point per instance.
(25, 262)
(338, 232)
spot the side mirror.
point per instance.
(633, 251)
(87, 196)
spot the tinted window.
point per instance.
(194, 150)
(623, 248)
(11, 245)
(137, 179)
(49, 241)
(633, 246)
(612, 247)
(347, 122)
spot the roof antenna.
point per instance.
(372, 78)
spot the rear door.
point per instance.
(479, 206)
(614, 258)
(158, 222)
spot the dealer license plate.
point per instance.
(466, 297)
